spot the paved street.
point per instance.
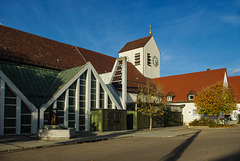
(206, 144)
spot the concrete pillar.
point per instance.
(124, 82)
(2, 100)
(105, 100)
(97, 94)
(65, 108)
(18, 115)
(88, 101)
(77, 104)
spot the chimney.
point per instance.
(208, 69)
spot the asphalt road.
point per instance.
(205, 145)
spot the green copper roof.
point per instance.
(37, 84)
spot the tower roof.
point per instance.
(135, 44)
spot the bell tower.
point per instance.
(144, 55)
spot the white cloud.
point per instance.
(232, 19)
(234, 71)
(165, 57)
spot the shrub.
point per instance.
(205, 122)
(202, 122)
(238, 118)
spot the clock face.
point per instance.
(155, 61)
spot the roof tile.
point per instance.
(234, 81)
(182, 84)
(135, 44)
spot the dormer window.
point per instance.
(191, 95)
(170, 96)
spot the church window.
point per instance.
(101, 97)
(149, 61)
(25, 119)
(137, 59)
(93, 91)
(10, 112)
(71, 106)
(82, 97)
(109, 103)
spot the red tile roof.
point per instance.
(235, 83)
(182, 84)
(27, 48)
(135, 44)
(102, 63)
(24, 48)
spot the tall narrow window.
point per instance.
(137, 59)
(82, 97)
(71, 110)
(25, 119)
(101, 97)
(149, 61)
(93, 91)
(60, 109)
(109, 103)
(10, 112)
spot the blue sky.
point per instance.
(192, 35)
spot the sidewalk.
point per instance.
(17, 143)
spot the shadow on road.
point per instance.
(177, 152)
(231, 157)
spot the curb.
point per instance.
(60, 144)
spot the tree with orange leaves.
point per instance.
(215, 99)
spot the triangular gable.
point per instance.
(192, 92)
(71, 80)
(37, 84)
(171, 94)
(17, 92)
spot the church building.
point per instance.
(41, 78)
(46, 82)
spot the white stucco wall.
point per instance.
(225, 80)
(106, 77)
(131, 97)
(188, 112)
(234, 115)
(151, 48)
(131, 57)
